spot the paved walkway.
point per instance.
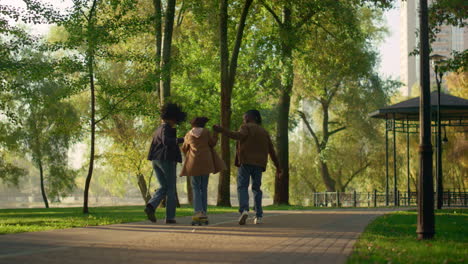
(318, 236)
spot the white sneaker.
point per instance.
(258, 220)
(243, 218)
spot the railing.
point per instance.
(379, 199)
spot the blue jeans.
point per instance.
(166, 175)
(200, 193)
(243, 178)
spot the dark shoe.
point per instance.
(150, 214)
(171, 221)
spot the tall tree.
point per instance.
(166, 50)
(91, 45)
(48, 124)
(339, 65)
(49, 130)
(294, 16)
(163, 46)
(93, 26)
(158, 41)
(228, 69)
(290, 22)
(129, 153)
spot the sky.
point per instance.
(389, 48)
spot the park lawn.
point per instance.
(392, 239)
(40, 219)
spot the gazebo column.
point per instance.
(395, 183)
(440, 188)
(386, 163)
(408, 196)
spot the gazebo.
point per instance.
(403, 117)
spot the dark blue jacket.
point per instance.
(165, 144)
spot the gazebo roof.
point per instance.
(451, 108)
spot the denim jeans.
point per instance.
(166, 175)
(244, 173)
(200, 193)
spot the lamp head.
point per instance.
(438, 60)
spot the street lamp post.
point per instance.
(437, 62)
(425, 227)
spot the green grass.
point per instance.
(392, 239)
(33, 220)
(40, 219)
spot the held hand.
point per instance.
(217, 128)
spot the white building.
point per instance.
(450, 38)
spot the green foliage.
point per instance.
(39, 123)
(126, 155)
(48, 123)
(447, 12)
(337, 86)
(333, 46)
(443, 13)
(10, 173)
(392, 239)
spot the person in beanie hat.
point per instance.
(253, 147)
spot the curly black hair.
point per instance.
(173, 112)
(199, 121)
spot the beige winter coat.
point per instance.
(200, 156)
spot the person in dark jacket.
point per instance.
(253, 147)
(164, 153)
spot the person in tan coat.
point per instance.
(200, 160)
(254, 145)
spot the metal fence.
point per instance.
(379, 199)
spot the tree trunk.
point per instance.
(189, 191)
(228, 70)
(282, 138)
(143, 188)
(43, 192)
(224, 192)
(158, 38)
(93, 137)
(225, 176)
(165, 85)
(90, 62)
(327, 179)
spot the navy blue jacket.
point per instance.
(165, 144)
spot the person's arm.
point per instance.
(169, 140)
(213, 139)
(236, 135)
(185, 146)
(273, 156)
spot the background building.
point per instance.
(449, 38)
